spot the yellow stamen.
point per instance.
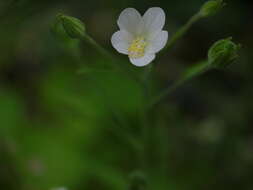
(137, 48)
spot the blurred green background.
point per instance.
(61, 119)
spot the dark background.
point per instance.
(56, 121)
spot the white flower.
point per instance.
(140, 37)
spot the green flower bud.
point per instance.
(137, 181)
(222, 53)
(73, 26)
(211, 7)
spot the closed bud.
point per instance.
(222, 53)
(211, 8)
(73, 26)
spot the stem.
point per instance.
(186, 76)
(181, 32)
(120, 125)
(146, 74)
(189, 74)
(122, 67)
(119, 121)
(145, 121)
(144, 159)
(99, 48)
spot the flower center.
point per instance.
(137, 48)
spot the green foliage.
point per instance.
(138, 181)
(72, 116)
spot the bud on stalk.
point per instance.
(73, 26)
(210, 8)
(222, 53)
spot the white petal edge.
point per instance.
(130, 20)
(143, 61)
(157, 41)
(154, 19)
(121, 41)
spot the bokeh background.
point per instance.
(62, 107)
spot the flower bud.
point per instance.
(73, 26)
(211, 7)
(222, 53)
(137, 181)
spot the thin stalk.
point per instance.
(99, 48)
(147, 73)
(182, 31)
(116, 62)
(120, 125)
(188, 75)
(145, 121)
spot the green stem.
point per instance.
(146, 74)
(145, 121)
(115, 61)
(120, 122)
(182, 31)
(186, 76)
(99, 48)
(144, 113)
(120, 125)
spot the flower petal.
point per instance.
(154, 19)
(121, 40)
(131, 21)
(157, 41)
(142, 61)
